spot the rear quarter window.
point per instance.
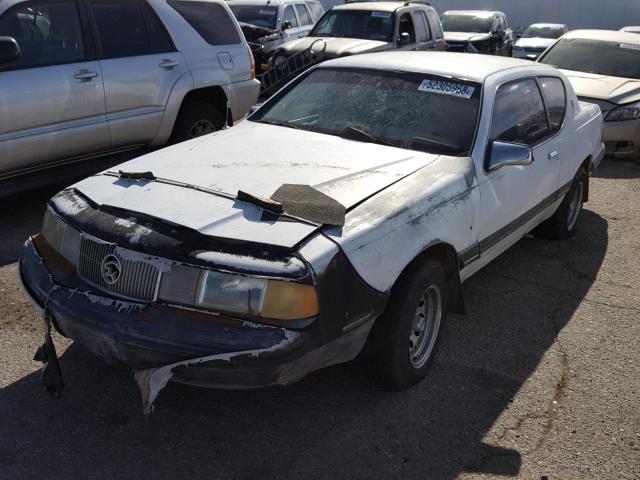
(210, 20)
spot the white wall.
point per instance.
(608, 14)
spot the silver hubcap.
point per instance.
(425, 327)
(575, 205)
(201, 127)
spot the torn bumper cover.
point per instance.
(164, 342)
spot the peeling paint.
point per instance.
(153, 380)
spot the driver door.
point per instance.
(515, 197)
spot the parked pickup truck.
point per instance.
(331, 222)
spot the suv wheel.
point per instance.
(196, 119)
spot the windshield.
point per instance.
(595, 56)
(407, 110)
(465, 23)
(258, 15)
(371, 25)
(543, 32)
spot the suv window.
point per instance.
(48, 32)
(518, 114)
(316, 9)
(406, 25)
(159, 39)
(209, 19)
(290, 16)
(422, 29)
(556, 99)
(121, 28)
(434, 23)
(303, 14)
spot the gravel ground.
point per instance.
(539, 381)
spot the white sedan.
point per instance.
(345, 214)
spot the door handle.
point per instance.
(554, 155)
(168, 64)
(85, 75)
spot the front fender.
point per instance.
(437, 204)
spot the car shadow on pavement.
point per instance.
(615, 168)
(334, 423)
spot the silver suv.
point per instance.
(86, 78)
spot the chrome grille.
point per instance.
(138, 279)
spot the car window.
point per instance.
(290, 16)
(518, 114)
(535, 31)
(406, 25)
(465, 23)
(422, 33)
(407, 110)
(159, 39)
(434, 23)
(371, 25)
(556, 99)
(316, 9)
(259, 15)
(121, 28)
(615, 59)
(47, 32)
(210, 20)
(303, 14)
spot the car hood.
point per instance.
(535, 42)
(462, 37)
(336, 46)
(257, 159)
(613, 89)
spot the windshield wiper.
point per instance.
(352, 133)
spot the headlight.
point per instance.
(53, 229)
(517, 48)
(624, 113)
(272, 299)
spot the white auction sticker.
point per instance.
(447, 88)
(630, 46)
(377, 14)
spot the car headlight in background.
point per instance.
(259, 297)
(624, 113)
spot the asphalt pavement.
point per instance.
(540, 380)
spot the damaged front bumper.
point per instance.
(162, 342)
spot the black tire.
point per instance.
(388, 349)
(564, 222)
(192, 114)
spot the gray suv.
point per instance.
(86, 78)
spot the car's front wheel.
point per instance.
(564, 222)
(403, 341)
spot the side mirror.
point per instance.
(9, 50)
(502, 154)
(286, 25)
(404, 39)
(254, 109)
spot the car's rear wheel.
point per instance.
(564, 222)
(404, 339)
(196, 119)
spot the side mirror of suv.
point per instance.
(9, 50)
(286, 25)
(404, 39)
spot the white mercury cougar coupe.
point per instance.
(343, 216)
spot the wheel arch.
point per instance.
(448, 257)
(213, 95)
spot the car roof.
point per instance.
(604, 36)
(547, 25)
(378, 6)
(475, 13)
(449, 64)
(264, 3)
